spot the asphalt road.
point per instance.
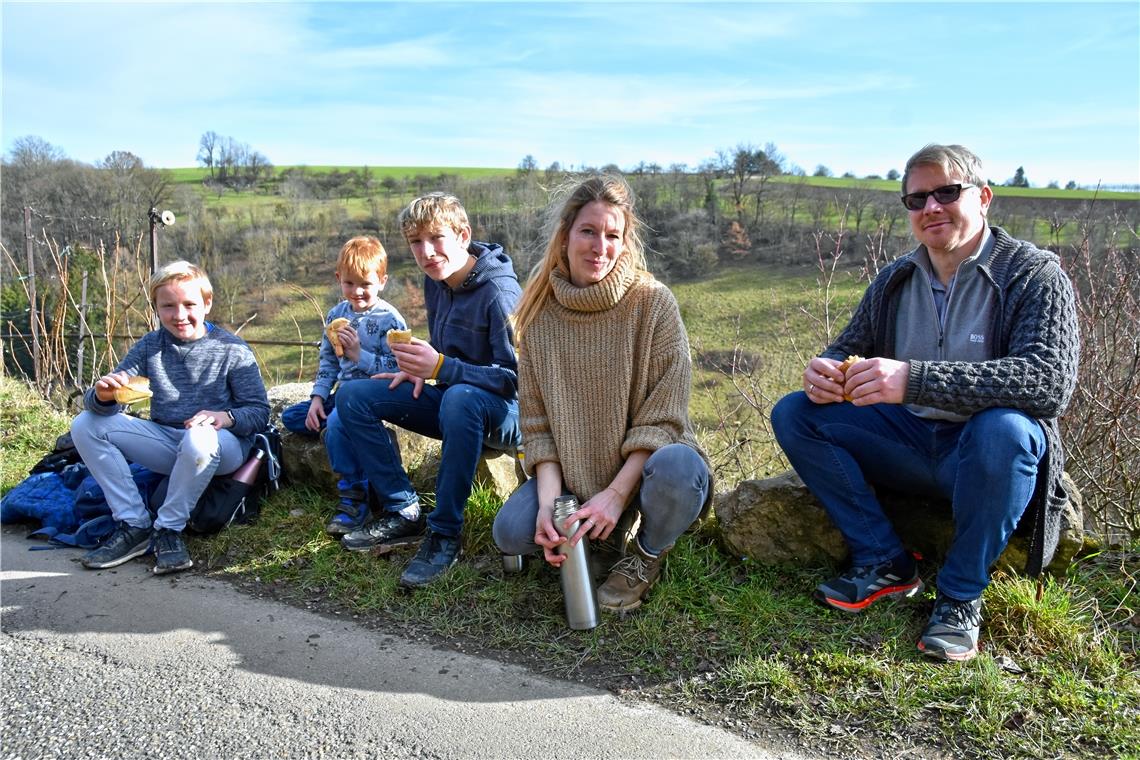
(122, 664)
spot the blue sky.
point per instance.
(1053, 87)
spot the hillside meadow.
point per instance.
(737, 643)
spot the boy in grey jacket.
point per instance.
(208, 402)
(972, 347)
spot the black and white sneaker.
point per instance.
(386, 533)
(436, 556)
(952, 633)
(123, 545)
(170, 552)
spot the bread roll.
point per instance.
(399, 336)
(846, 365)
(334, 338)
(136, 389)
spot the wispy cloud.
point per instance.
(844, 84)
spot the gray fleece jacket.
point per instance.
(1035, 369)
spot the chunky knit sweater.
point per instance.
(604, 371)
(1035, 370)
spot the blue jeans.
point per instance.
(674, 486)
(293, 416)
(986, 467)
(108, 443)
(464, 417)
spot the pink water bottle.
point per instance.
(247, 473)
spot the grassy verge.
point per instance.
(735, 642)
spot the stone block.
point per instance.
(778, 520)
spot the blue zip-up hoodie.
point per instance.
(470, 324)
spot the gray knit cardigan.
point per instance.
(1036, 372)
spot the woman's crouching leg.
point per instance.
(675, 483)
(514, 526)
(674, 486)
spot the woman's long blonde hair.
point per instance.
(606, 188)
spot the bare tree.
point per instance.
(207, 145)
(738, 166)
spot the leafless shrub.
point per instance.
(82, 301)
(1102, 426)
(822, 313)
(741, 445)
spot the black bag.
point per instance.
(227, 501)
(61, 456)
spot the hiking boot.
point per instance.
(386, 533)
(857, 588)
(630, 579)
(123, 545)
(352, 511)
(170, 552)
(952, 633)
(436, 556)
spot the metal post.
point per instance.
(34, 313)
(79, 381)
(153, 216)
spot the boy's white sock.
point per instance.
(411, 512)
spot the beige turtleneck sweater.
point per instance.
(604, 371)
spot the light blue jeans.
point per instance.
(986, 467)
(674, 486)
(109, 443)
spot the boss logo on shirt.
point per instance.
(975, 338)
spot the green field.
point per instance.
(845, 183)
(196, 175)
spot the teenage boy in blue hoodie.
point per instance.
(470, 289)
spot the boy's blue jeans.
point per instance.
(986, 467)
(293, 416)
(674, 486)
(466, 418)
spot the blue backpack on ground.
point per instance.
(68, 505)
(43, 498)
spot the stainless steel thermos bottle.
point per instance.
(577, 586)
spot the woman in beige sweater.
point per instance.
(604, 382)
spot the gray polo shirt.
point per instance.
(948, 323)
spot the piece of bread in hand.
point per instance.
(334, 338)
(136, 389)
(846, 365)
(399, 336)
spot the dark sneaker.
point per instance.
(352, 511)
(436, 556)
(859, 587)
(126, 543)
(630, 580)
(386, 533)
(170, 552)
(952, 633)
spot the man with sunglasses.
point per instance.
(972, 346)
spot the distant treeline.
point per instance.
(248, 221)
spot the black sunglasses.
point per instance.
(945, 194)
